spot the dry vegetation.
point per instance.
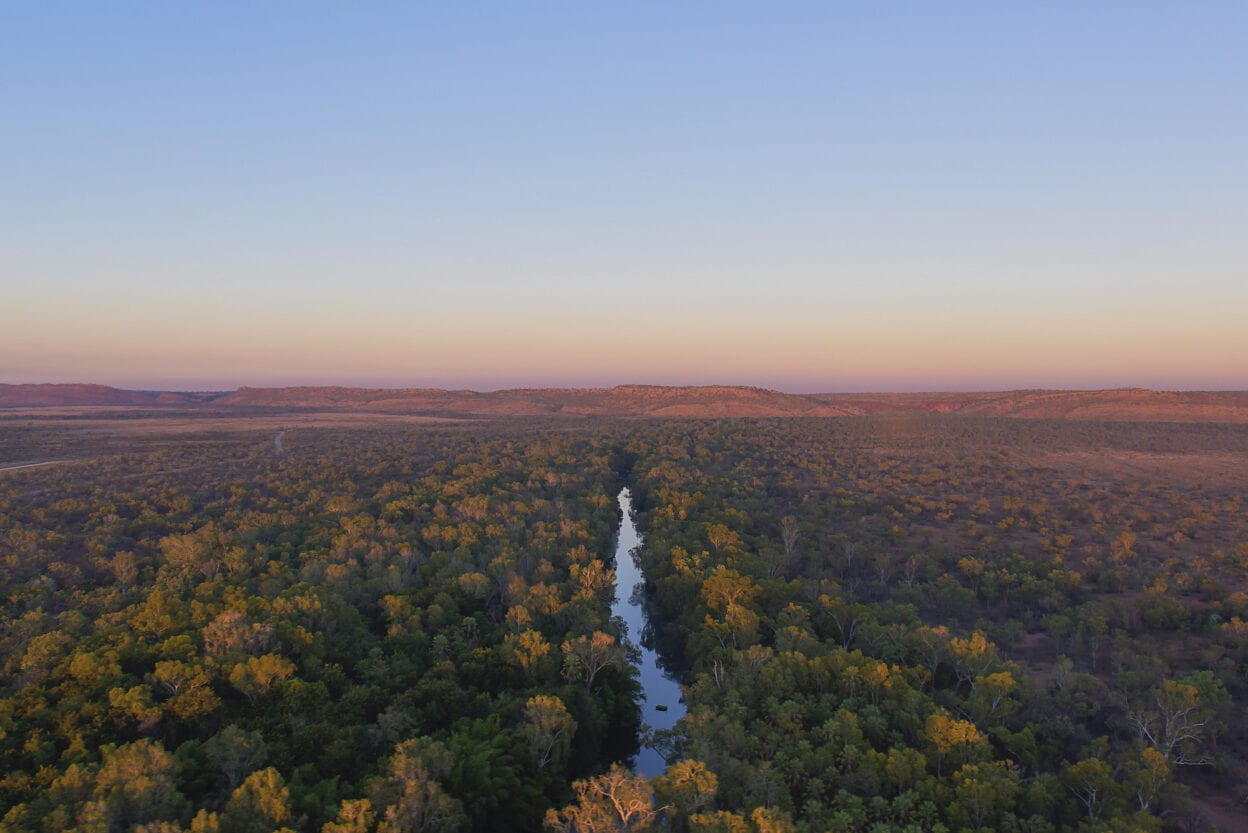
(885, 622)
(647, 400)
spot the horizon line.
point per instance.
(604, 388)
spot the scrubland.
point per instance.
(901, 621)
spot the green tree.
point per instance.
(1178, 719)
(355, 816)
(410, 799)
(686, 788)
(259, 805)
(137, 784)
(983, 793)
(236, 753)
(1091, 781)
(548, 728)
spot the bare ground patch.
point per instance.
(1221, 467)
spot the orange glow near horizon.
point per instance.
(495, 349)
(831, 199)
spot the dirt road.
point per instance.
(33, 465)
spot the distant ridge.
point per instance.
(28, 396)
(625, 400)
(1127, 404)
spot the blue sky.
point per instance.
(801, 196)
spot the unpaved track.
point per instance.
(34, 465)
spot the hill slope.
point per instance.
(38, 396)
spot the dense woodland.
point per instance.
(884, 624)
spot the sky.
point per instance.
(819, 196)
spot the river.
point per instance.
(662, 706)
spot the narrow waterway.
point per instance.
(662, 706)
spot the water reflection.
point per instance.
(662, 706)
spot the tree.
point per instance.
(789, 533)
(137, 784)
(720, 821)
(411, 800)
(619, 801)
(972, 658)
(257, 675)
(728, 591)
(233, 631)
(1177, 720)
(125, 567)
(724, 587)
(950, 735)
(771, 820)
(235, 752)
(687, 787)
(721, 536)
(1121, 548)
(188, 687)
(354, 816)
(1148, 776)
(527, 649)
(259, 805)
(593, 579)
(1092, 782)
(990, 694)
(587, 656)
(549, 729)
(43, 652)
(177, 677)
(134, 705)
(984, 792)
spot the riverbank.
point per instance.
(662, 705)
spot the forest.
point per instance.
(913, 622)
